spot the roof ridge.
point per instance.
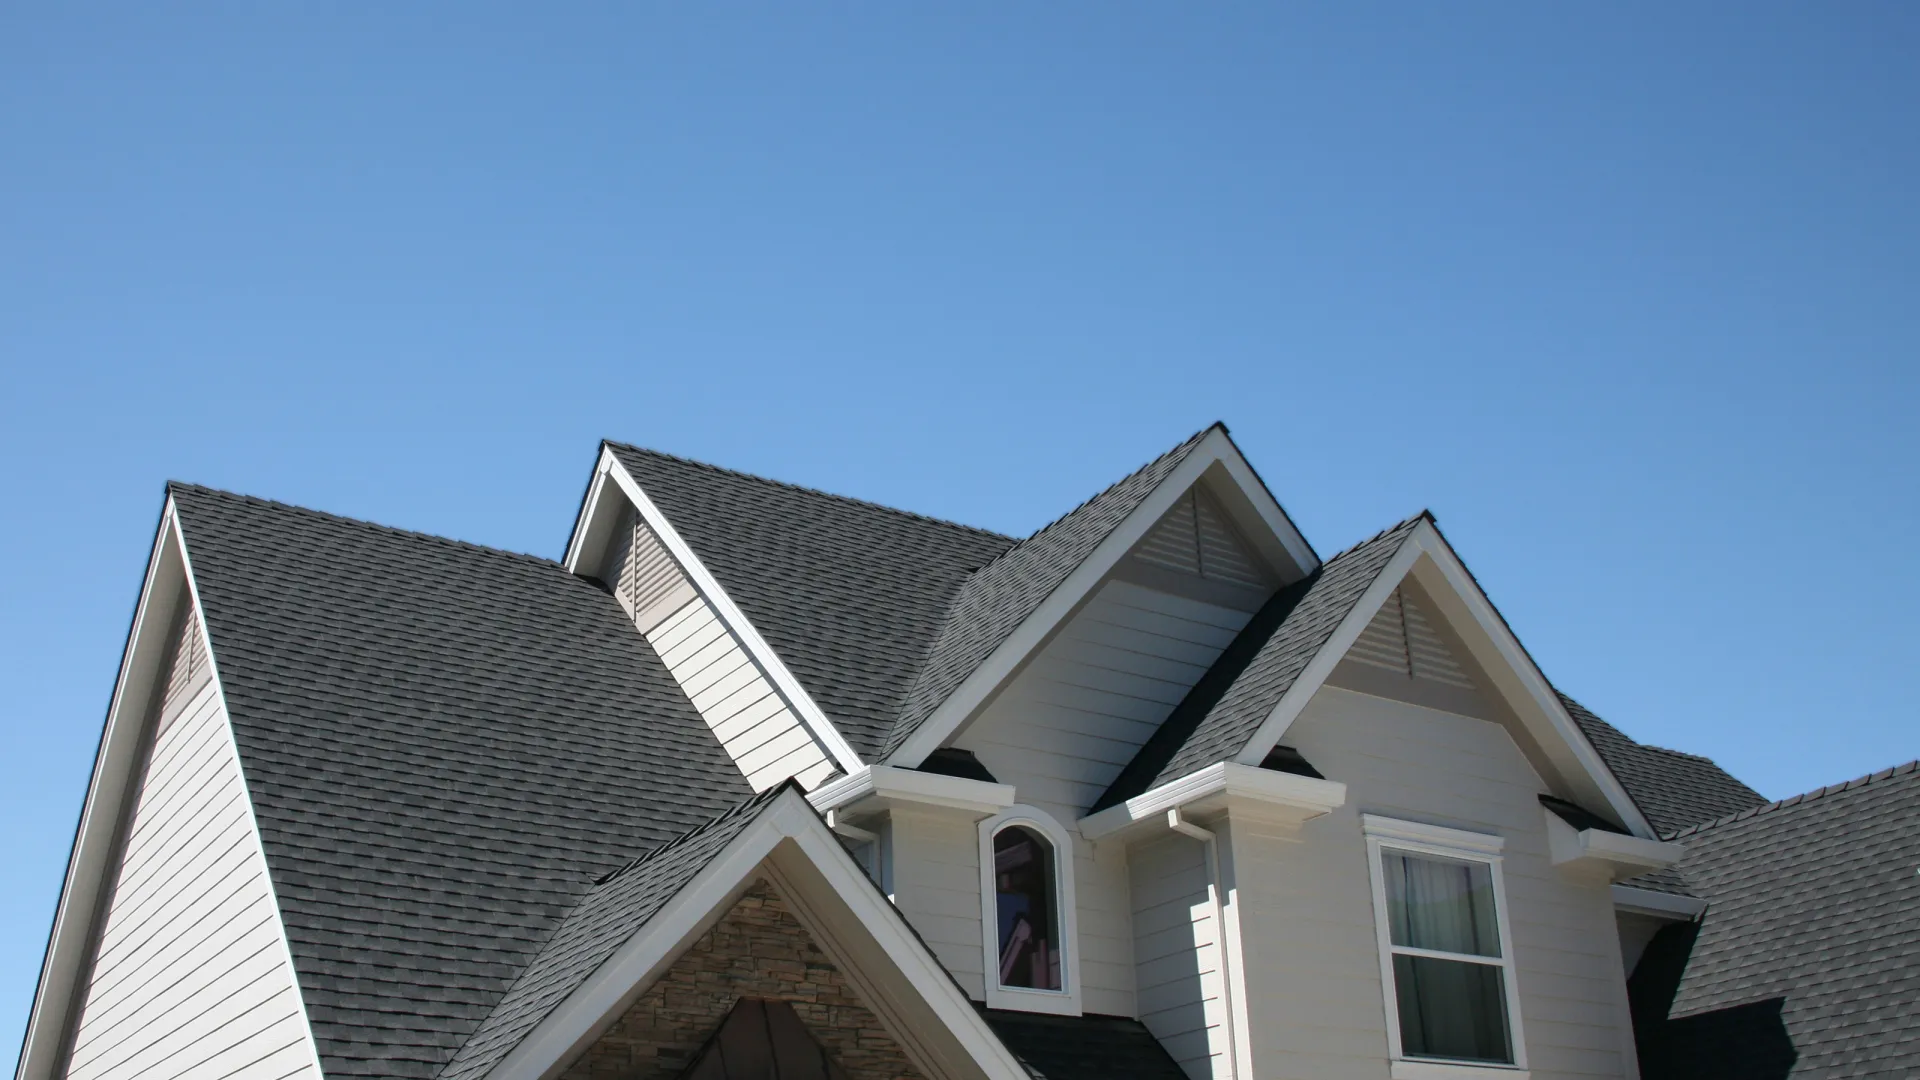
(1796, 800)
(1396, 527)
(202, 489)
(789, 485)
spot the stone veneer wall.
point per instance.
(758, 950)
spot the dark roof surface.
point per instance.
(445, 746)
(997, 599)
(1673, 790)
(850, 594)
(605, 919)
(1088, 1047)
(1223, 710)
(1807, 963)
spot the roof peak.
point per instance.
(1796, 800)
(790, 486)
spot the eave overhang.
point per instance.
(1227, 787)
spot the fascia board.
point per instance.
(588, 519)
(1632, 854)
(1520, 662)
(56, 995)
(1228, 783)
(573, 1024)
(1269, 508)
(1274, 727)
(736, 620)
(1658, 904)
(889, 784)
(1038, 628)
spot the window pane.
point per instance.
(1029, 921)
(1453, 1009)
(1441, 904)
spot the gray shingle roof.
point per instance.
(997, 599)
(606, 918)
(445, 745)
(1807, 963)
(1088, 1047)
(1673, 790)
(851, 595)
(1224, 709)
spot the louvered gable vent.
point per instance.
(1402, 638)
(1195, 537)
(645, 577)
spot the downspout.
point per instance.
(1178, 822)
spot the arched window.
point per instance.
(1026, 862)
(1029, 923)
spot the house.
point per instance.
(760, 781)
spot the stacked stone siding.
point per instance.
(758, 950)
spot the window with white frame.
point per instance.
(1446, 956)
(1027, 912)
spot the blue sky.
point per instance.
(1630, 297)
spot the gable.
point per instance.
(849, 595)
(1013, 606)
(1408, 654)
(757, 953)
(759, 726)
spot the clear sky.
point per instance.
(1629, 296)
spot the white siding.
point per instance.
(193, 977)
(750, 718)
(1176, 953)
(1066, 725)
(1306, 914)
(759, 729)
(1072, 720)
(936, 885)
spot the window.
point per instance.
(1446, 956)
(1027, 913)
(1029, 922)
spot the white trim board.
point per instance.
(1427, 557)
(1283, 797)
(594, 518)
(1659, 904)
(1215, 451)
(1065, 1001)
(98, 833)
(876, 787)
(789, 844)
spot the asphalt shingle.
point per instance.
(850, 594)
(1673, 790)
(1088, 1047)
(445, 746)
(1807, 962)
(607, 917)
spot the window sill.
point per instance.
(1410, 1069)
(1056, 1002)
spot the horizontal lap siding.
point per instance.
(192, 977)
(936, 886)
(758, 728)
(1066, 726)
(1176, 954)
(1306, 911)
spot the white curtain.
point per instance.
(1448, 1008)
